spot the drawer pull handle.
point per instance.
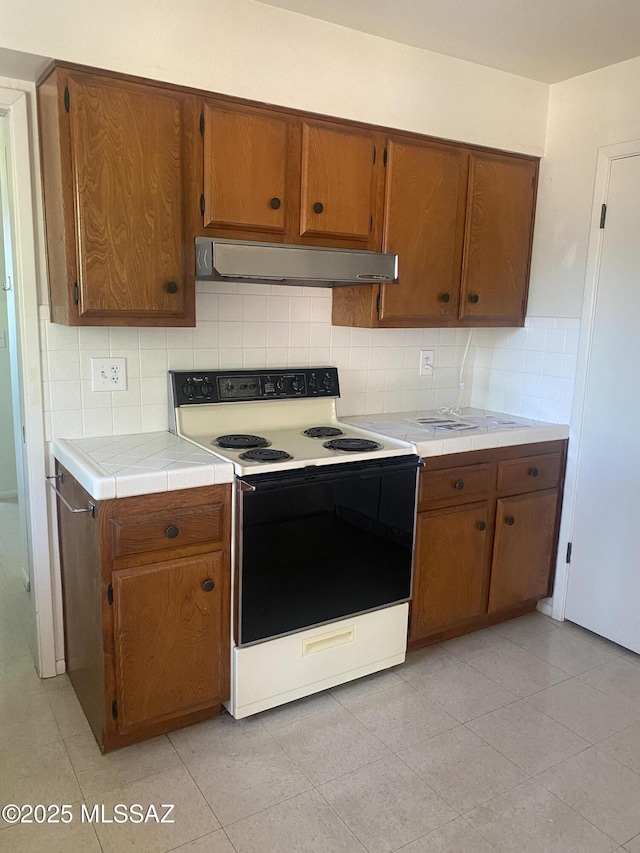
(171, 287)
(172, 531)
(482, 525)
(510, 520)
(445, 297)
(275, 203)
(459, 485)
(208, 585)
(474, 299)
(318, 207)
(534, 471)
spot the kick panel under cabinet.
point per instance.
(134, 170)
(486, 537)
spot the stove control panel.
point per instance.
(229, 386)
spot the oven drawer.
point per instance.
(281, 670)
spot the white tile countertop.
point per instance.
(119, 466)
(501, 430)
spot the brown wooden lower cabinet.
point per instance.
(487, 537)
(146, 594)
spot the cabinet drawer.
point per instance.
(171, 528)
(453, 485)
(529, 473)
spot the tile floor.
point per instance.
(521, 738)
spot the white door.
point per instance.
(603, 591)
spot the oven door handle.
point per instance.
(245, 487)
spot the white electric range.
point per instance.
(324, 529)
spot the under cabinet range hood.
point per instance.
(265, 263)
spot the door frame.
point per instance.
(606, 155)
(14, 105)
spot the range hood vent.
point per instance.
(266, 263)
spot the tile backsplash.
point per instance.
(529, 371)
(250, 326)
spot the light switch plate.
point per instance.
(108, 374)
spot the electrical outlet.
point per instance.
(426, 362)
(108, 374)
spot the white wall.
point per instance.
(596, 109)
(245, 48)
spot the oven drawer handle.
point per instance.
(328, 641)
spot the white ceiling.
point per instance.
(546, 40)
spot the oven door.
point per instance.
(323, 543)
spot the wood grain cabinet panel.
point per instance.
(486, 549)
(168, 629)
(147, 618)
(337, 197)
(114, 170)
(451, 571)
(498, 235)
(523, 549)
(424, 225)
(245, 170)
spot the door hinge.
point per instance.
(569, 547)
(384, 157)
(114, 709)
(110, 594)
(202, 204)
(378, 303)
(67, 99)
(374, 155)
(201, 124)
(76, 293)
(603, 215)
(371, 222)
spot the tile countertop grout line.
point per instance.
(78, 454)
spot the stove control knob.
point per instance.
(297, 384)
(327, 382)
(206, 388)
(281, 385)
(313, 382)
(188, 389)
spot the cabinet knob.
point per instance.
(534, 471)
(171, 287)
(208, 585)
(275, 203)
(474, 298)
(172, 531)
(459, 485)
(510, 520)
(318, 207)
(482, 525)
(445, 297)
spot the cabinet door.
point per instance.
(245, 170)
(499, 229)
(338, 184)
(171, 638)
(450, 582)
(523, 548)
(425, 195)
(127, 170)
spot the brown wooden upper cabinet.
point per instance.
(424, 225)
(498, 234)
(113, 158)
(461, 222)
(270, 175)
